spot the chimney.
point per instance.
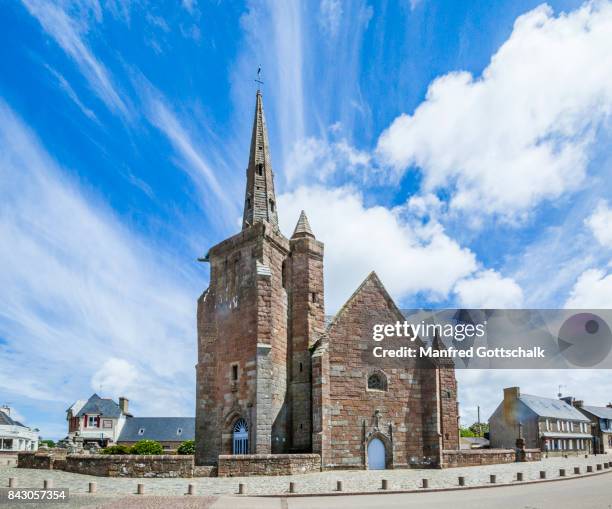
(578, 403)
(609, 405)
(511, 395)
(123, 404)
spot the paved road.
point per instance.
(593, 492)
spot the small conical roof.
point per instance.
(302, 228)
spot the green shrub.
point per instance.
(49, 443)
(116, 449)
(147, 447)
(187, 447)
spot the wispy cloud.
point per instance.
(82, 296)
(69, 33)
(67, 88)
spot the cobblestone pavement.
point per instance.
(323, 482)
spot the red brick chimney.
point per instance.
(511, 395)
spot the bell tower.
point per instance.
(242, 372)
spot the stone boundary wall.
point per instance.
(128, 465)
(474, 457)
(245, 465)
(8, 458)
(111, 465)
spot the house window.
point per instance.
(141, 431)
(547, 425)
(377, 382)
(107, 423)
(92, 421)
(234, 372)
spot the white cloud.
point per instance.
(592, 290)
(521, 132)
(317, 160)
(330, 16)
(79, 289)
(600, 223)
(69, 33)
(67, 88)
(409, 258)
(488, 289)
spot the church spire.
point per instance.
(302, 228)
(259, 200)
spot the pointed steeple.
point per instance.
(302, 228)
(259, 200)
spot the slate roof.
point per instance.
(6, 420)
(548, 407)
(162, 429)
(602, 412)
(105, 407)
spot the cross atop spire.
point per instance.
(259, 200)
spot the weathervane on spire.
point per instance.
(258, 80)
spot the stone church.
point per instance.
(275, 376)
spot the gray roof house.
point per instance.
(548, 424)
(106, 422)
(601, 418)
(170, 431)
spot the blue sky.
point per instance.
(460, 149)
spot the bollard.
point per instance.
(140, 489)
(561, 472)
(291, 487)
(47, 484)
(576, 470)
(425, 483)
(241, 489)
(385, 484)
(589, 468)
(12, 482)
(542, 474)
(92, 487)
(492, 478)
(461, 481)
(191, 489)
(519, 476)
(598, 466)
(338, 485)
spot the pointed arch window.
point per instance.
(271, 205)
(259, 168)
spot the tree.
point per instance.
(116, 449)
(49, 443)
(187, 447)
(479, 428)
(147, 447)
(466, 432)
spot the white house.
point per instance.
(97, 419)
(15, 436)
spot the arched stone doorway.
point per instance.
(240, 437)
(376, 455)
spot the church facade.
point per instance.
(275, 377)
